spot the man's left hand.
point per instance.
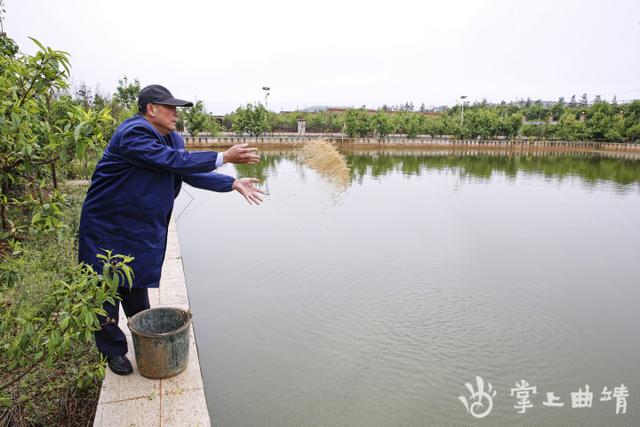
(245, 186)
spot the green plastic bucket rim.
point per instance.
(162, 334)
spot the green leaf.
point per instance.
(88, 319)
(40, 45)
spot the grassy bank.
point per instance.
(66, 392)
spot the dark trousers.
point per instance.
(110, 339)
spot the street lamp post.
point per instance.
(463, 97)
(266, 90)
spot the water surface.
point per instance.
(373, 305)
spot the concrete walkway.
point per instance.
(133, 400)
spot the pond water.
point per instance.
(374, 304)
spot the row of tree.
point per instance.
(570, 121)
(600, 121)
(124, 104)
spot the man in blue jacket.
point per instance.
(130, 200)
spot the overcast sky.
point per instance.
(342, 52)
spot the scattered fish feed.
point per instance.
(324, 158)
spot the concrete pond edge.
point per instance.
(134, 400)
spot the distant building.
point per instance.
(321, 109)
(341, 109)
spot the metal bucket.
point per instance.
(161, 341)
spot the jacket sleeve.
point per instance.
(210, 181)
(140, 147)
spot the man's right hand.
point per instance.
(241, 153)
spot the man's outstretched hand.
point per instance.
(241, 153)
(245, 187)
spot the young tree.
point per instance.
(84, 95)
(195, 118)
(557, 109)
(599, 121)
(509, 125)
(251, 119)
(631, 113)
(100, 100)
(357, 123)
(616, 131)
(633, 132)
(382, 125)
(59, 325)
(433, 126)
(409, 123)
(569, 128)
(28, 85)
(584, 101)
(322, 122)
(127, 93)
(536, 112)
(125, 100)
(39, 129)
(483, 123)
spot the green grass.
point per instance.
(49, 395)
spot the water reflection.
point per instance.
(591, 168)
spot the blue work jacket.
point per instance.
(130, 200)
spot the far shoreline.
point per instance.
(417, 144)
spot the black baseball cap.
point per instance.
(156, 94)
